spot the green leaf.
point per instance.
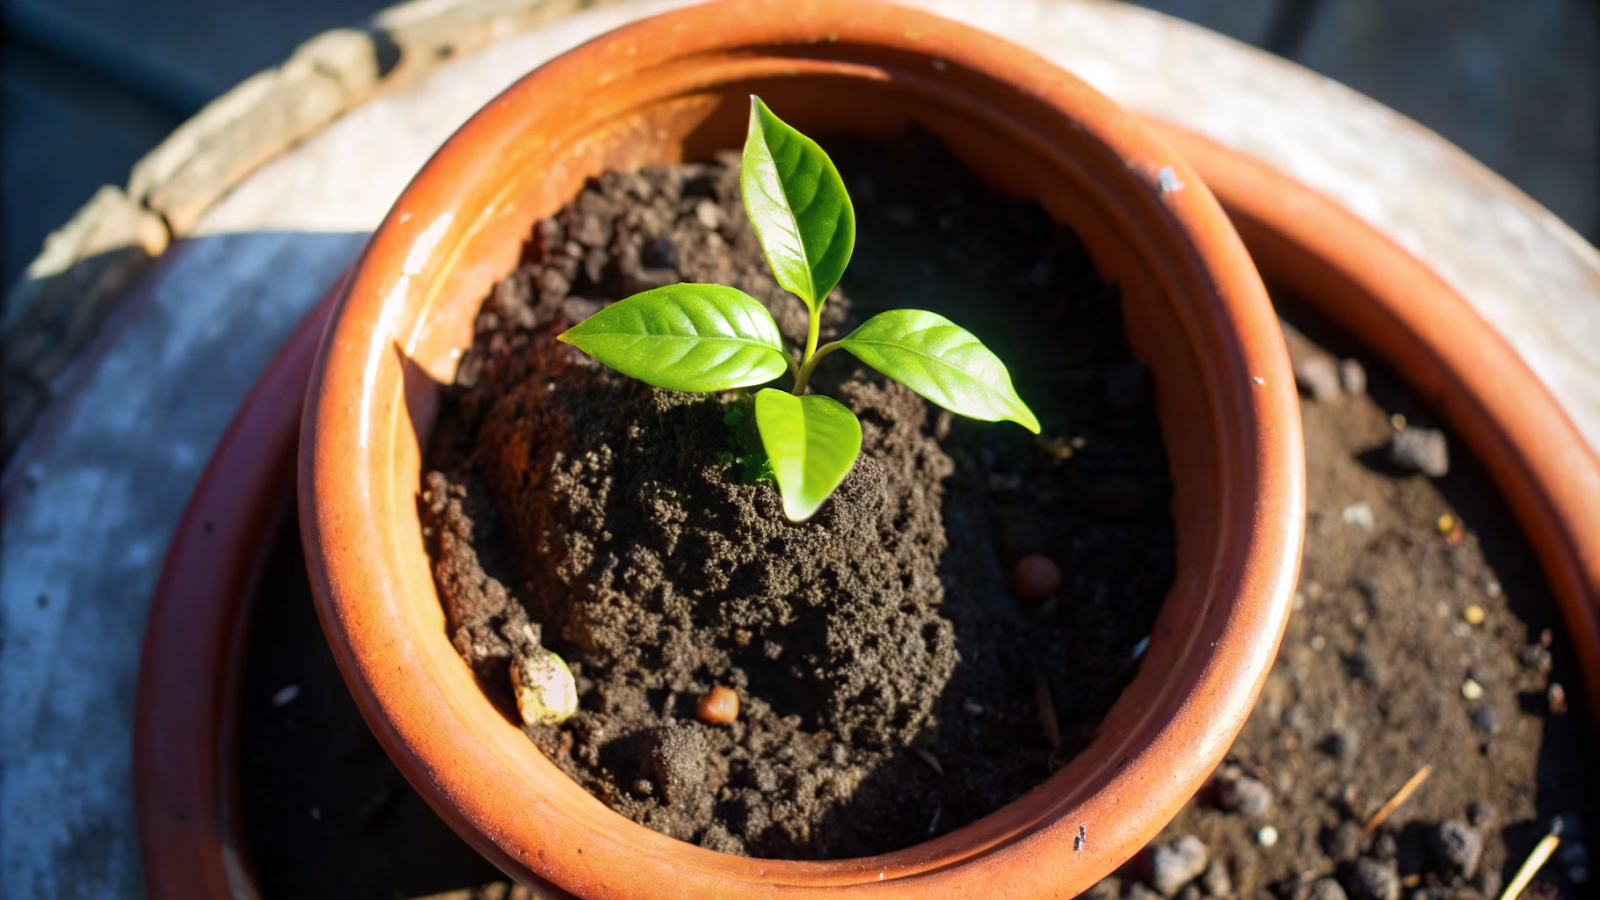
(811, 443)
(686, 337)
(797, 205)
(941, 361)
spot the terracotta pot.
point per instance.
(1409, 316)
(187, 803)
(676, 87)
(186, 719)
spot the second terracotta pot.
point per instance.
(676, 87)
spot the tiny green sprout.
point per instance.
(708, 337)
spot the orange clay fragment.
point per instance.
(718, 706)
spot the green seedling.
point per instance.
(708, 337)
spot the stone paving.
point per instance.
(91, 85)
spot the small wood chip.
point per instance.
(930, 759)
(1399, 799)
(1047, 712)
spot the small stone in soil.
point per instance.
(1536, 657)
(1471, 690)
(1359, 515)
(1244, 795)
(1319, 377)
(1035, 577)
(1486, 721)
(1343, 844)
(1341, 745)
(1456, 847)
(1370, 879)
(1215, 881)
(1479, 814)
(1422, 450)
(718, 706)
(1556, 697)
(1353, 377)
(1137, 891)
(1267, 836)
(1326, 889)
(1473, 615)
(1174, 864)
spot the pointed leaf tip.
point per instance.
(941, 361)
(797, 205)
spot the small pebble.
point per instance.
(1035, 577)
(1536, 657)
(1471, 690)
(1137, 891)
(1486, 721)
(1267, 836)
(1479, 814)
(1370, 879)
(1215, 881)
(1473, 615)
(1326, 889)
(1343, 844)
(1317, 376)
(709, 214)
(286, 695)
(1556, 696)
(1359, 515)
(1175, 864)
(1456, 847)
(1397, 421)
(1244, 795)
(1446, 523)
(1342, 744)
(1353, 377)
(718, 706)
(545, 690)
(1422, 450)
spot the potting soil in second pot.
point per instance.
(892, 686)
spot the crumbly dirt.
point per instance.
(327, 815)
(892, 689)
(1383, 671)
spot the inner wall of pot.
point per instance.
(1086, 187)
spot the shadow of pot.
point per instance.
(675, 87)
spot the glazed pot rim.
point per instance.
(1164, 748)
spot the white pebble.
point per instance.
(1471, 690)
(1360, 515)
(1267, 836)
(1318, 643)
(546, 692)
(286, 695)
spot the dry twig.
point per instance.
(1399, 798)
(1541, 853)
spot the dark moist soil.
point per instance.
(1385, 669)
(892, 689)
(327, 815)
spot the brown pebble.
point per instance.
(1035, 577)
(718, 706)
